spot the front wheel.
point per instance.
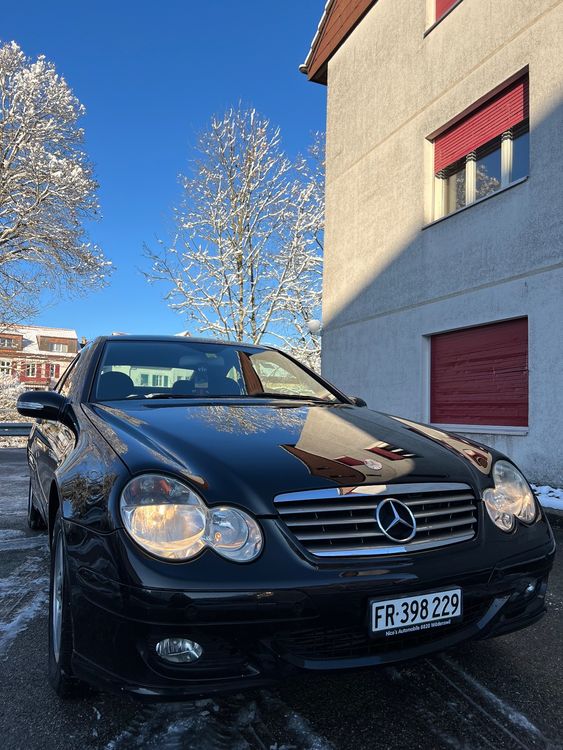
(34, 518)
(60, 622)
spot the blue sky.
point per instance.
(151, 74)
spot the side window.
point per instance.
(65, 384)
(276, 377)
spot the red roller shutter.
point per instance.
(442, 6)
(502, 112)
(480, 375)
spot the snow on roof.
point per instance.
(345, 20)
(304, 66)
(30, 336)
(62, 333)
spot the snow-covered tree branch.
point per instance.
(10, 389)
(47, 190)
(246, 261)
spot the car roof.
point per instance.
(188, 339)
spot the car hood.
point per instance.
(245, 453)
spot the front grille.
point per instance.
(356, 642)
(341, 522)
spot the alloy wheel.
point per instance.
(57, 601)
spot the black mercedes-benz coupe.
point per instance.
(220, 517)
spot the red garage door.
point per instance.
(480, 375)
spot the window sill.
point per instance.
(438, 21)
(476, 203)
(483, 429)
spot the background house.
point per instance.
(443, 281)
(36, 355)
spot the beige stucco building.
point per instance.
(443, 280)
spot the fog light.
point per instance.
(179, 650)
(524, 589)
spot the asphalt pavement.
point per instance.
(503, 693)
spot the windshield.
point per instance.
(184, 369)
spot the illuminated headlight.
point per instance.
(510, 498)
(170, 520)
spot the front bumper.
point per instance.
(255, 636)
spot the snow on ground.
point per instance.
(235, 722)
(549, 497)
(512, 716)
(23, 596)
(24, 556)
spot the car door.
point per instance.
(50, 443)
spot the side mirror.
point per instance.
(41, 405)
(357, 401)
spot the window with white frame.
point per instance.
(5, 367)
(31, 370)
(160, 380)
(55, 346)
(484, 152)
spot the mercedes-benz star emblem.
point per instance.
(396, 520)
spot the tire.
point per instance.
(34, 518)
(60, 622)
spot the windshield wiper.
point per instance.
(176, 395)
(286, 396)
(293, 397)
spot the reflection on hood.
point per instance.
(251, 452)
(249, 420)
(478, 454)
(334, 444)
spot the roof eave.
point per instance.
(319, 73)
(304, 67)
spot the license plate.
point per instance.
(410, 614)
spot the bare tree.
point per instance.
(47, 190)
(246, 261)
(10, 389)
